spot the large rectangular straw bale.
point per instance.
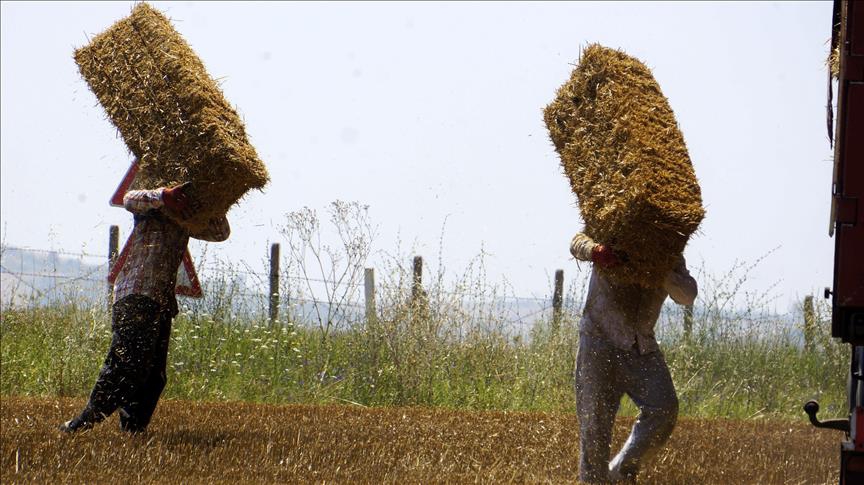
(621, 148)
(170, 112)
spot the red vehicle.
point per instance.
(847, 227)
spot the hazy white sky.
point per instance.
(427, 111)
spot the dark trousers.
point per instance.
(133, 375)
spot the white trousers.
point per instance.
(605, 373)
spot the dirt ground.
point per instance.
(195, 442)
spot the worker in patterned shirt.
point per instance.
(133, 375)
(618, 354)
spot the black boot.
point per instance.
(82, 422)
(128, 424)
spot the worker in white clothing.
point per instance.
(618, 354)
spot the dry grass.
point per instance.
(627, 162)
(170, 112)
(193, 442)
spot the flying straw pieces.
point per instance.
(171, 114)
(627, 163)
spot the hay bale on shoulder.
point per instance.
(627, 163)
(170, 112)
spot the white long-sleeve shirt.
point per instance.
(625, 315)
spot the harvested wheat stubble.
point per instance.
(235, 443)
(627, 163)
(170, 112)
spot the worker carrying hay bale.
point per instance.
(193, 162)
(627, 163)
(171, 114)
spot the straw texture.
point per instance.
(170, 112)
(627, 163)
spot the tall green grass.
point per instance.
(417, 356)
(452, 344)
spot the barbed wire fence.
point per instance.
(28, 280)
(37, 276)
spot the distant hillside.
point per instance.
(36, 276)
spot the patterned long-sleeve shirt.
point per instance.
(625, 315)
(155, 249)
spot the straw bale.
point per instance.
(170, 112)
(834, 62)
(627, 163)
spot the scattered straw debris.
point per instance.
(170, 112)
(621, 148)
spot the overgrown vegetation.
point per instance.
(449, 344)
(57, 352)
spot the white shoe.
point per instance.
(615, 476)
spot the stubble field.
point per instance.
(199, 442)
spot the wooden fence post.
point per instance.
(369, 291)
(809, 324)
(557, 299)
(274, 283)
(688, 321)
(113, 244)
(416, 284)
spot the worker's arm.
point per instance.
(141, 201)
(217, 230)
(173, 200)
(680, 285)
(583, 248)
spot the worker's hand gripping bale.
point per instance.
(604, 256)
(177, 202)
(133, 375)
(182, 207)
(618, 354)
